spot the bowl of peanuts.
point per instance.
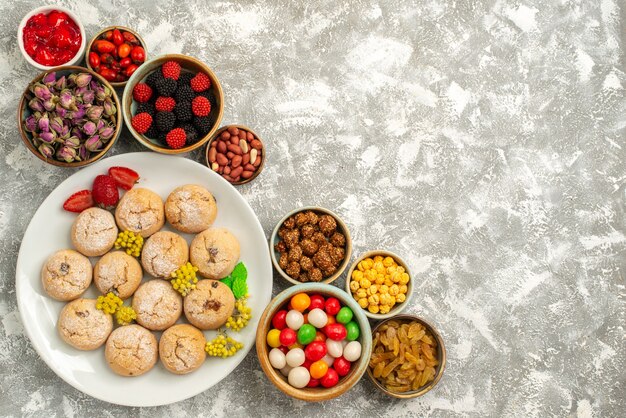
(408, 357)
(381, 284)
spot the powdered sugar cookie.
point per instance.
(215, 252)
(209, 305)
(131, 350)
(157, 304)
(66, 275)
(181, 348)
(190, 208)
(119, 273)
(83, 326)
(140, 211)
(163, 253)
(94, 232)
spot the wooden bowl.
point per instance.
(441, 356)
(23, 112)
(397, 308)
(187, 63)
(245, 128)
(319, 393)
(341, 227)
(142, 43)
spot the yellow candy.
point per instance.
(383, 289)
(388, 282)
(384, 309)
(357, 275)
(403, 288)
(380, 269)
(394, 290)
(404, 278)
(392, 269)
(380, 280)
(400, 298)
(373, 289)
(363, 303)
(273, 338)
(361, 293)
(365, 283)
(373, 300)
(388, 261)
(367, 263)
(373, 308)
(354, 285)
(400, 269)
(395, 277)
(360, 266)
(378, 258)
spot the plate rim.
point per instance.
(49, 361)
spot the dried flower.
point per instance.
(72, 142)
(83, 153)
(94, 143)
(35, 104)
(106, 133)
(66, 154)
(61, 83)
(48, 137)
(41, 91)
(83, 79)
(89, 96)
(43, 123)
(30, 124)
(89, 128)
(46, 150)
(94, 112)
(60, 111)
(49, 79)
(109, 107)
(67, 99)
(50, 104)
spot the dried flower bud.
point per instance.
(60, 84)
(106, 133)
(48, 137)
(66, 154)
(50, 104)
(76, 131)
(42, 92)
(71, 79)
(89, 128)
(93, 143)
(30, 124)
(100, 93)
(89, 96)
(80, 112)
(46, 150)
(49, 79)
(56, 124)
(43, 123)
(95, 112)
(83, 153)
(72, 142)
(83, 79)
(35, 104)
(109, 107)
(67, 99)
(60, 111)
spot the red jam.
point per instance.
(51, 39)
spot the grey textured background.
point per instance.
(482, 140)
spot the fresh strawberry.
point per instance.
(141, 122)
(171, 69)
(124, 177)
(105, 193)
(200, 106)
(142, 92)
(79, 201)
(200, 82)
(176, 138)
(165, 104)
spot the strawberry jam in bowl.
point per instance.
(51, 36)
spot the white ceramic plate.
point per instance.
(49, 231)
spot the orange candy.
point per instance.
(318, 369)
(331, 320)
(319, 336)
(306, 318)
(300, 302)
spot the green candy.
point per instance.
(353, 331)
(306, 334)
(344, 315)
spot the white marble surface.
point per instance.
(482, 140)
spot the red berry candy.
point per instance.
(284, 349)
(287, 337)
(315, 350)
(307, 363)
(171, 69)
(200, 82)
(342, 366)
(141, 122)
(79, 201)
(332, 306)
(200, 106)
(313, 383)
(165, 104)
(335, 331)
(176, 138)
(279, 321)
(317, 301)
(330, 379)
(142, 92)
(104, 191)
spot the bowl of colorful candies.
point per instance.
(314, 342)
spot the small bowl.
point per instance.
(441, 356)
(341, 227)
(319, 393)
(47, 9)
(23, 112)
(142, 43)
(148, 67)
(245, 128)
(409, 293)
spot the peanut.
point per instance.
(221, 159)
(234, 140)
(245, 159)
(243, 145)
(227, 170)
(253, 155)
(215, 166)
(230, 155)
(225, 135)
(247, 174)
(221, 146)
(236, 161)
(212, 154)
(234, 148)
(249, 167)
(256, 144)
(236, 172)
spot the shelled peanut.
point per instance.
(236, 154)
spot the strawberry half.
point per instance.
(124, 177)
(105, 192)
(79, 201)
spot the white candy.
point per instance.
(334, 348)
(328, 359)
(295, 357)
(285, 370)
(299, 377)
(278, 359)
(294, 319)
(318, 318)
(352, 351)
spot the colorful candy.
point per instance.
(314, 341)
